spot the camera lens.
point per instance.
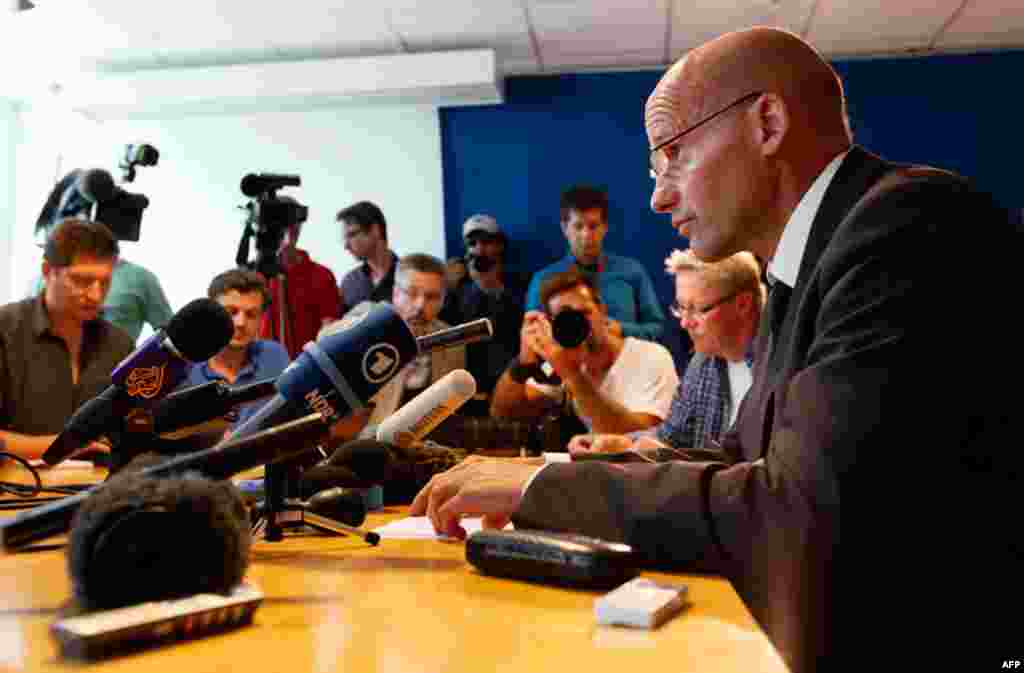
(481, 263)
(570, 328)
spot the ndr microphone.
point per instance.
(349, 363)
(196, 333)
(423, 413)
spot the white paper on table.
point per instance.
(420, 528)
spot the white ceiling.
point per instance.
(528, 36)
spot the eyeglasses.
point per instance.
(680, 312)
(415, 293)
(82, 283)
(660, 159)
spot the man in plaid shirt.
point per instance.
(719, 305)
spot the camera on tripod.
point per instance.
(268, 216)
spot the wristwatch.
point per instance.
(519, 372)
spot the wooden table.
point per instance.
(336, 604)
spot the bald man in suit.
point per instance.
(856, 504)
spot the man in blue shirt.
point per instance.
(245, 359)
(625, 287)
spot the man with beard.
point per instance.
(613, 384)
(420, 283)
(56, 352)
(366, 236)
(492, 292)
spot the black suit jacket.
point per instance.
(860, 499)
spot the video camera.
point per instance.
(268, 216)
(76, 194)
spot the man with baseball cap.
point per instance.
(492, 292)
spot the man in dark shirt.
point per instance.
(366, 237)
(492, 292)
(55, 351)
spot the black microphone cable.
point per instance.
(30, 495)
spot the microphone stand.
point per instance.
(282, 510)
(276, 477)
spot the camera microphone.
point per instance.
(96, 185)
(256, 184)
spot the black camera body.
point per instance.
(480, 263)
(123, 214)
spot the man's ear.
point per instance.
(46, 268)
(771, 122)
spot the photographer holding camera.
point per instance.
(611, 383)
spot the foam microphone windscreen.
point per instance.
(369, 459)
(409, 467)
(136, 463)
(138, 539)
(200, 330)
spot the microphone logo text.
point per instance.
(380, 362)
(145, 382)
(319, 403)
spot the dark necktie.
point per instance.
(778, 300)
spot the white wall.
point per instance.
(190, 232)
(10, 130)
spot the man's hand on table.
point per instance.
(491, 488)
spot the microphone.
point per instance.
(459, 335)
(255, 184)
(185, 412)
(352, 360)
(96, 185)
(345, 509)
(273, 445)
(195, 333)
(360, 463)
(425, 412)
(142, 538)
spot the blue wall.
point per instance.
(513, 160)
